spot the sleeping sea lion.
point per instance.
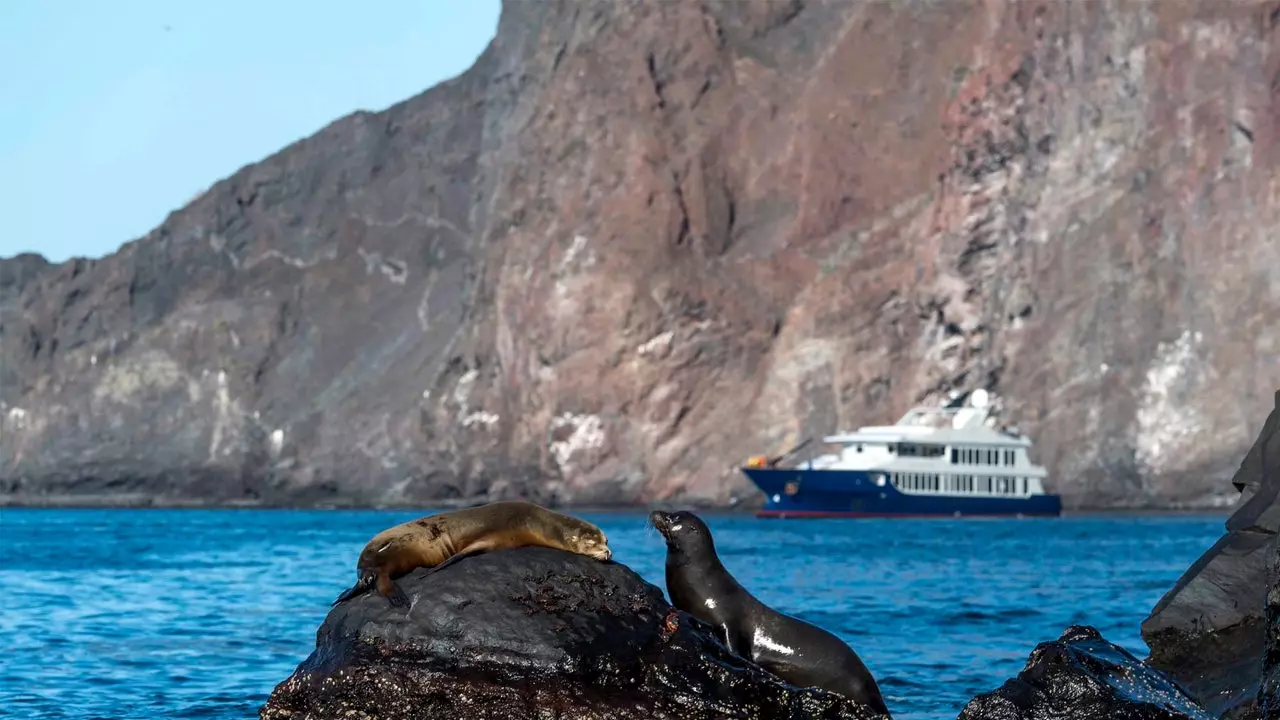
(438, 540)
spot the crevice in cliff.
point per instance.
(682, 234)
(731, 210)
(652, 67)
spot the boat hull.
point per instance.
(855, 493)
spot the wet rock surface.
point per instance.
(639, 241)
(1209, 630)
(532, 633)
(1082, 676)
(1269, 687)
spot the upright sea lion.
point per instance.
(438, 540)
(794, 650)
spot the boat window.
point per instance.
(919, 450)
(955, 456)
(857, 448)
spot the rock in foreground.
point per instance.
(532, 633)
(1081, 676)
(1207, 632)
(1269, 687)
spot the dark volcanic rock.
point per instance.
(532, 633)
(639, 241)
(1269, 687)
(1081, 676)
(1208, 631)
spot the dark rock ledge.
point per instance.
(1081, 676)
(539, 633)
(532, 633)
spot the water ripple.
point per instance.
(198, 614)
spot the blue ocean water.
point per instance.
(199, 613)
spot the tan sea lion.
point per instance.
(438, 540)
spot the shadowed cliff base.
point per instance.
(638, 242)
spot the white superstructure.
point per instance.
(949, 450)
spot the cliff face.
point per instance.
(637, 242)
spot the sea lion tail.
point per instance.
(363, 584)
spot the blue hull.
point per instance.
(853, 493)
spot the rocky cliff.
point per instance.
(639, 241)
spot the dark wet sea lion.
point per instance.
(438, 540)
(794, 650)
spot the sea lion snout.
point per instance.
(592, 542)
(661, 521)
(680, 525)
(596, 549)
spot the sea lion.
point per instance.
(794, 650)
(444, 538)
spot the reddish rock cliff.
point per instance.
(637, 242)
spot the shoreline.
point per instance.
(143, 502)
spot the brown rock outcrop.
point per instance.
(639, 241)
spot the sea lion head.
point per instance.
(589, 540)
(682, 529)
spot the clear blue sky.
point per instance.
(114, 113)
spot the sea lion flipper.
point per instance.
(730, 640)
(397, 598)
(390, 590)
(455, 558)
(363, 583)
